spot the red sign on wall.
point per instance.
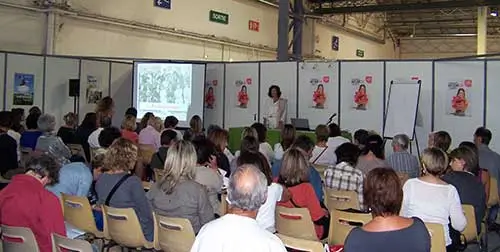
(253, 25)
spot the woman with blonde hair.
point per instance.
(144, 121)
(294, 175)
(67, 132)
(151, 134)
(177, 194)
(128, 128)
(119, 161)
(195, 128)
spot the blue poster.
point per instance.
(24, 89)
(162, 4)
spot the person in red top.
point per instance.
(361, 97)
(26, 203)
(294, 175)
(243, 97)
(129, 126)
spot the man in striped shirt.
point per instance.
(401, 160)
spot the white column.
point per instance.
(482, 28)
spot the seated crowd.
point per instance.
(195, 176)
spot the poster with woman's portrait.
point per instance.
(210, 95)
(458, 103)
(318, 91)
(242, 95)
(360, 93)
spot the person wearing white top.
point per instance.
(322, 133)
(335, 140)
(93, 140)
(247, 191)
(264, 147)
(430, 198)
(276, 115)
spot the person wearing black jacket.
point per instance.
(8, 146)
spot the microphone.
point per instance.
(331, 118)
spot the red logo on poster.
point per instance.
(369, 79)
(326, 79)
(468, 83)
(414, 78)
(214, 82)
(249, 81)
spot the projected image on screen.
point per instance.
(164, 89)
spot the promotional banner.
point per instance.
(93, 91)
(318, 91)
(242, 96)
(210, 98)
(459, 103)
(24, 85)
(360, 90)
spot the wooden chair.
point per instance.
(223, 204)
(295, 222)
(494, 198)
(18, 239)
(336, 199)
(470, 231)
(321, 170)
(124, 228)
(175, 234)
(146, 152)
(436, 232)
(78, 213)
(301, 244)
(340, 227)
(60, 244)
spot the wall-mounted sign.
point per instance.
(360, 53)
(335, 43)
(253, 25)
(219, 17)
(166, 4)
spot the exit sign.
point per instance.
(219, 17)
(360, 53)
(253, 25)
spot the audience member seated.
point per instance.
(26, 203)
(483, 174)
(17, 120)
(360, 137)
(294, 175)
(151, 134)
(247, 131)
(287, 137)
(372, 155)
(241, 232)
(387, 231)
(401, 160)
(15, 134)
(35, 110)
(305, 145)
(133, 112)
(93, 139)
(8, 147)
(74, 179)
(106, 139)
(67, 132)
(128, 129)
(195, 128)
(48, 142)
(264, 147)
(335, 139)
(344, 176)
(168, 138)
(275, 192)
(464, 165)
(144, 121)
(206, 171)
(431, 199)
(440, 140)
(30, 136)
(83, 132)
(177, 194)
(119, 160)
(220, 137)
(170, 123)
(490, 160)
(248, 144)
(318, 155)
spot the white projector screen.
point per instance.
(402, 109)
(169, 89)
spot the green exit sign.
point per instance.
(360, 53)
(219, 17)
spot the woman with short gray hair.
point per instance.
(48, 142)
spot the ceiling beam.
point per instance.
(404, 7)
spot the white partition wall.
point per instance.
(241, 95)
(121, 89)
(94, 78)
(360, 109)
(459, 98)
(318, 92)
(214, 95)
(413, 71)
(58, 72)
(283, 75)
(2, 78)
(493, 103)
(26, 69)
